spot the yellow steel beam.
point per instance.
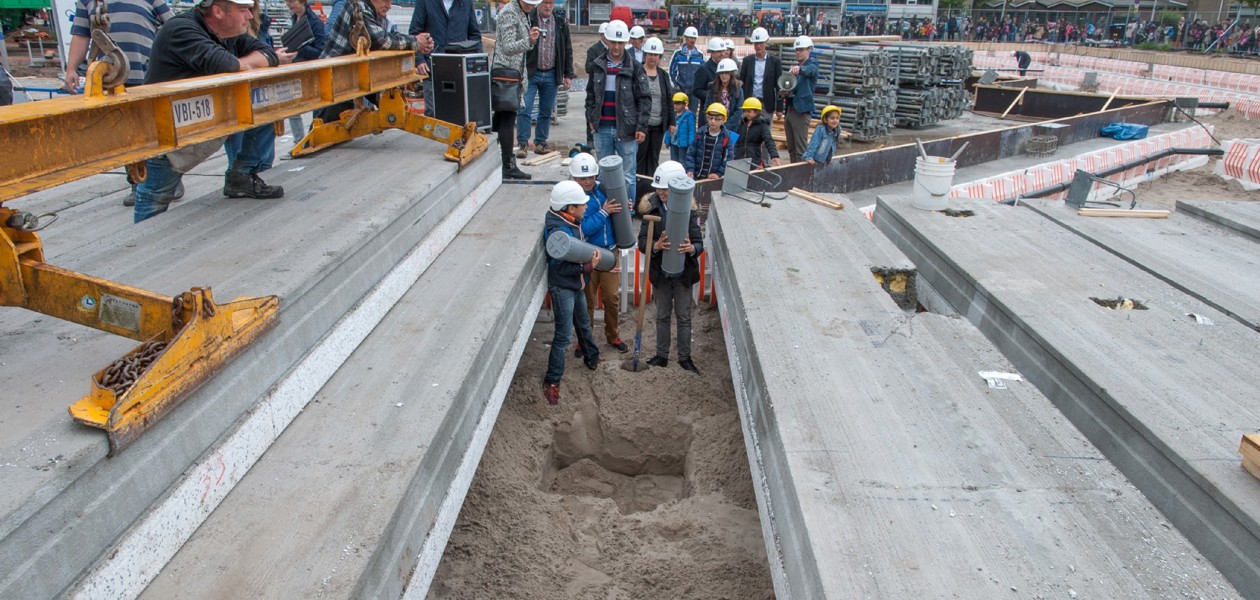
(60, 140)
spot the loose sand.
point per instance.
(635, 486)
(1202, 183)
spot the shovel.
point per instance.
(633, 364)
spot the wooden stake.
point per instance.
(1014, 102)
(1109, 99)
(1119, 212)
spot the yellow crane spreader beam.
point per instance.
(52, 142)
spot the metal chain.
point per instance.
(359, 30)
(124, 372)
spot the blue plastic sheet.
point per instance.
(1124, 131)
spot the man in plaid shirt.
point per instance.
(381, 38)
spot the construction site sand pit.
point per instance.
(1202, 183)
(635, 486)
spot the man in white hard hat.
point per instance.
(683, 65)
(637, 36)
(565, 280)
(760, 73)
(799, 107)
(597, 49)
(597, 226)
(707, 72)
(618, 101)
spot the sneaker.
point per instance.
(658, 361)
(541, 148)
(551, 391)
(687, 365)
(619, 345)
(250, 185)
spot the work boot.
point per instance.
(511, 172)
(619, 345)
(687, 365)
(249, 185)
(541, 148)
(522, 150)
(551, 391)
(658, 361)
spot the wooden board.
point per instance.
(1250, 450)
(1120, 212)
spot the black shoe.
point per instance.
(592, 365)
(510, 171)
(619, 345)
(578, 351)
(658, 361)
(687, 365)
(250, 185)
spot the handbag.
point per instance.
(505, 90)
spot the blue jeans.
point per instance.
(541, 86)
(569, 308)
(607, 144)
(154, 194)
(261, 145)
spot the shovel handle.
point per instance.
(652, 220)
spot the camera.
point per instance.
(543, 33)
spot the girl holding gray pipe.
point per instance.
(675, 264)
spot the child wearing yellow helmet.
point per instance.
(684, 128)
(753, 139)
(826, 137)
(712, 148)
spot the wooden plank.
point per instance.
(1119, 212)
(1250, 448)
(1014, 102)
(816, 199)
(541, 159)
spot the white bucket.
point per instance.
(932, 179)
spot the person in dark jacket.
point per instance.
(660, 109)
(713, 147)
(1022, 59)
(760, 72)
(598, 49)
(707, 72)
(207, 40)
(459, 24)
(672, 293)
(565, 281)
(755, 141)
(549, 67)
(618, 102)
(799, 109)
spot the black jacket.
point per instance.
(770, 101)
(564, 48)
(596, 50)
(633, 98)
(753, 139)
(185, 47)
(701, 84)
(651, 205)
(562, 273)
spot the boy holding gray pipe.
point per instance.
(673, 292)
(597, 226)
(565, 280)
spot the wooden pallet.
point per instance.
(1250, 450)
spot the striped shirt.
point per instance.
(132, 25)
(608, 116)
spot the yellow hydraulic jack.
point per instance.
(464, 143)
(186, 339)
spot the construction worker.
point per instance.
(565, 281)
(800, 101)
(683, 65)
(826, 137)
(1022, 60)
(753, 138)
(207, 40)
(712, 148)
(672, 292)
(597, 228)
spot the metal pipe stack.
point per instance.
(879, 86)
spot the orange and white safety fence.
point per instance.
(1241, 163)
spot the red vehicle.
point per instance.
(623, 14)
(655, 20)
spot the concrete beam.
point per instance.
(884, 465)
(1240, 216)
(1165, 399)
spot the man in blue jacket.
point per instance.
(447, 23)
(800, 101)
(597, 226)
(565, 280)
(683, 65)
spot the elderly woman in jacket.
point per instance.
(515, 38)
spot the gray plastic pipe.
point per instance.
(678, 208)
(562, 246)
(612, 175)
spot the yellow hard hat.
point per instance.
(681, 97)
(717, 108)
(751, 104)
(835, 109)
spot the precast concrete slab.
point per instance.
(1214, 265)
(886, 466)
(356, 499)
(1166, 398)
(348, 217)
(1241, 216)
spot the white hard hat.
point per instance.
(567, 193)
(730, 43)
(602, 28)
(653, 45)
(583, 165)
(636, 32)
(727, 66)
(617, 32)
(802, 42)
(665, 172)
(533, 2)
(759, 35)
(715, 44)
(691, 32)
